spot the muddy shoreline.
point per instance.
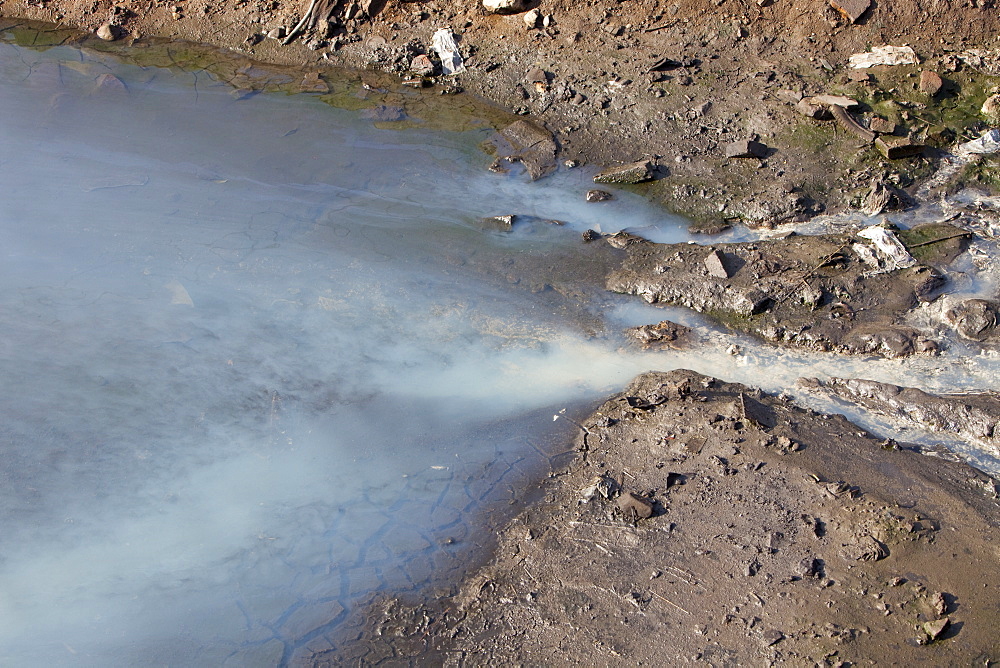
(700, 520)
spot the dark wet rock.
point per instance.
(664, 333)
(529, 144)
(599, 196)
(974, 416)
(623, 239)
(746, 148)
(499, 223)
(634, 172)
(385, 113)
(974, 319)
(811, 291)
(894, 148)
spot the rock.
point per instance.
(500, 223)
(858, 76)
(422, 66)
(883, 55)
(930, 83)
(107, 32)
(635, 172)
(663, 333)
(599, 196)
(746, 148)
(881, 125)
(852, 10)
(504, 6)
(313, 83)
(109, 83)
(591, 235)
(936, 628)
(833, 101)
(531, 18)
(529, 144)
(716, 265)
(634, 506)
(772, 637)
(385, 113)
(974, 319)
(991, 109)
(940, 604)
(811, 110)
(894, 148)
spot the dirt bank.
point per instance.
(706, 522)
(676, 81)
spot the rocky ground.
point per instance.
(705, 522)
(682, 83)
(702, 521)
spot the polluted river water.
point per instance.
(262, 361)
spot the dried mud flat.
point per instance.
(774, 535)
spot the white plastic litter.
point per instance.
(447, 50)
(889, 247)
(987, 143)
(883, 55)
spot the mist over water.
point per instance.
(257, 365)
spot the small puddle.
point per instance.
(262, 361)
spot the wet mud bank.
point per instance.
(707, 522)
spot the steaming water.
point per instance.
(258, 362)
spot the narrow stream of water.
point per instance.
(258, 363)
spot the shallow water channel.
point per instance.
(261, 361)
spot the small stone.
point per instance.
(504, 6)
(715, 265)
(859, 76)
(746, 148)
(852, 10)
(991, 109)
(531, 18)
(635, 172)
(894, 148)
(773, 637)
(936, 628)
(591, 235)
(807, 108)
(634, 506)
(501, 223)
(107, 32)
(881, 125)
(599, 196)
(422, 66)
(276, 33)
(930, 83)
